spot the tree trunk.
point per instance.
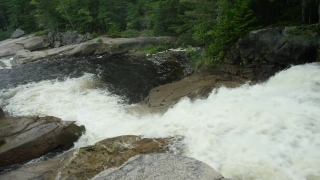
(319, 11)
(4, 19)
(303, 11)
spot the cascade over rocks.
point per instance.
(88, 161)
(159, 167)
(25, 138)
(198, 85)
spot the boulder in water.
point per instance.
(159, 167)
(18, 33)
(26, 138)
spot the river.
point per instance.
(265, 131)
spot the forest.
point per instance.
(215, 24)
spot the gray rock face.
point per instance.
(1, 113)
(56, 39)
(86, 162)
(284, 46)
(109, 46)
(160, 167)
(10, 47)
(23, 139)
(18, 33)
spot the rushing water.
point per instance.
(5, 63)
(265, 131)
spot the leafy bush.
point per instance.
(196, 55)
(99, 40)
(146, 33)
(96, 34)
(4, 35)
(39, 33)
(130, 33)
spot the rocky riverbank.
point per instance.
(256, 58)
(25, 138)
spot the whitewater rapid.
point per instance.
(268, 131)
(5, 63)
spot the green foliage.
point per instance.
(146, 33)
(130, 33)
(234, 23)
(4, 35)
(39, 33)
(214, 24)
(95, 34)
(196, 55)
(99, 40)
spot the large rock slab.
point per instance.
(198, 85)
(10, 47)
(284, 46)
(159, 167)
(95, 46)
(23, 138)
(87, 162)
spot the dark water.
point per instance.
(125, 75)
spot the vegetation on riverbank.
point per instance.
(215, 24)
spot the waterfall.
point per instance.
(269, 130)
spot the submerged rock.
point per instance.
(87, 162)
(159, 167)
(26, 138)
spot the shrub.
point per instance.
(130, 33)
(99, 40)
(4, 35)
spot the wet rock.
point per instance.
(159, 167)
(254, 72)
(18, 33)
(198, 85)
(2, 65)
(87, 162)
(27, 138)
(1, 113)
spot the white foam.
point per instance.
(7, 62)
(265, 131)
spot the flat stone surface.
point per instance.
(86, 162)
(161, 167)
